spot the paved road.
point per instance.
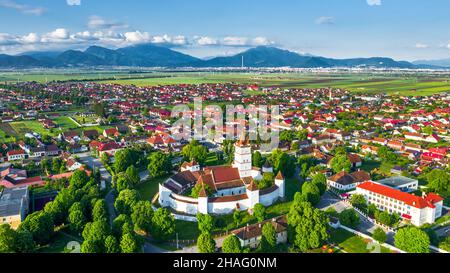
(329, 200)
(95, 163)
(149, 248)
(443, 232)
(194, 249)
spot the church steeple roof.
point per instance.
(279, 176)
(253, 186)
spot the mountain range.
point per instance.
(150, 55)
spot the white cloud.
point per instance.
(205, 41)
(74, 2)
(137, 37)
(245, 41)
(325, 20)
(374, 2)
(421, 45)
(31, 38)
(26, 9)
(97, 22)
(261, 41)
(63, 39)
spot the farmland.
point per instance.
(412, 83)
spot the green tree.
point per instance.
(282, 162)
(350, 218)
(126, 200)
(205, 223)
(198, 188)
(7, 239)
(237, 218)
(132, 174)
(266, 182)
(160, 164)
(206, 243)
(111, 245)
(287, 136)
(78, 179)
(123, 159)
(311, 192)
(412, 240)
(268, 238)
(122, 183)
(428, 130)
(100, 211)
(195, 151)
(163, 224)
(40, 225)
(142, 216)
(105, 159)
(257, 160)
(24, 242)
(341, 163)
(380, 235)
(119, 223)
(320, 180)
(439, 182)
(307, 226)
(89, 246)
(77, 219)
(231, 244)
(359, 201)
(259, 212)
(128, 244)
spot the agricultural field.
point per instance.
(359, 83)
(20, 128)
(407, 84)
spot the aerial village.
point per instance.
(370, 162)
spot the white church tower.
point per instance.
(243, 158)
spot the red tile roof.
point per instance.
(407, 198)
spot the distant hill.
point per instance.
(275, 57)
(150, 55)
(441, 63)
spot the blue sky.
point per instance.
(402, 29)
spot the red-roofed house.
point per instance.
(111, 133)
(16, 155)
(418, 210)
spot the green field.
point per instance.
(23, 127)
(411, 83)
(351, 243)
(392, 84)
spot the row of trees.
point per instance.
(74, 206)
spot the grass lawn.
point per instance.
(31, 126)
(384, 167)
(212, 160)
(186, 230)
(58, 244)
(65, 123)
(149, 188)
(352, 243)
(4, 138)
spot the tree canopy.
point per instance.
(412, 240)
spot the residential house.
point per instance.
(344, 181)
(250, 236)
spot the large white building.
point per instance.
(418, 210)
(231, 187)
